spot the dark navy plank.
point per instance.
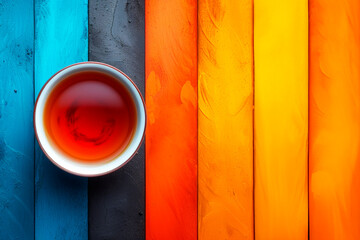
(16, 124)
(61, 38)
(116, 201)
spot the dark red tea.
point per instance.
(90, 116)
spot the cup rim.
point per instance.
(116, 167)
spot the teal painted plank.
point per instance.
(16, 125)
(61, 39)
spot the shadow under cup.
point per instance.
(89, 119)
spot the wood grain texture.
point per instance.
(334, 144)
(117, 201)
(171, 138)
(61, 38)
(281, 119)
(16, 124)
(225, 75)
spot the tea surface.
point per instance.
(90, 116)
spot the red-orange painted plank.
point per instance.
(171, 138)
(334, 195)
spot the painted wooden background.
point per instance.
(235, 97)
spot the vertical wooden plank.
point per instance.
(61, 39)
(281, 119)
(225, 76)
(117, 201)
(16, 125)
(171, 98)
(334, 120)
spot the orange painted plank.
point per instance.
(334, 148)
(171, 138)
(281, 119)
(225, 76)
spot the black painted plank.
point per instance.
(117, 201)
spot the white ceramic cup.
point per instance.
(74, 166)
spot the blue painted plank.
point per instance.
(61, 38)
(16, 125)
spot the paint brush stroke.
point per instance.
(171, 138)
(281, 119)
(225, 76)
(334, 119)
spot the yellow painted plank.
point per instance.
(281, 119)
(225, 131)
(334, 143)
